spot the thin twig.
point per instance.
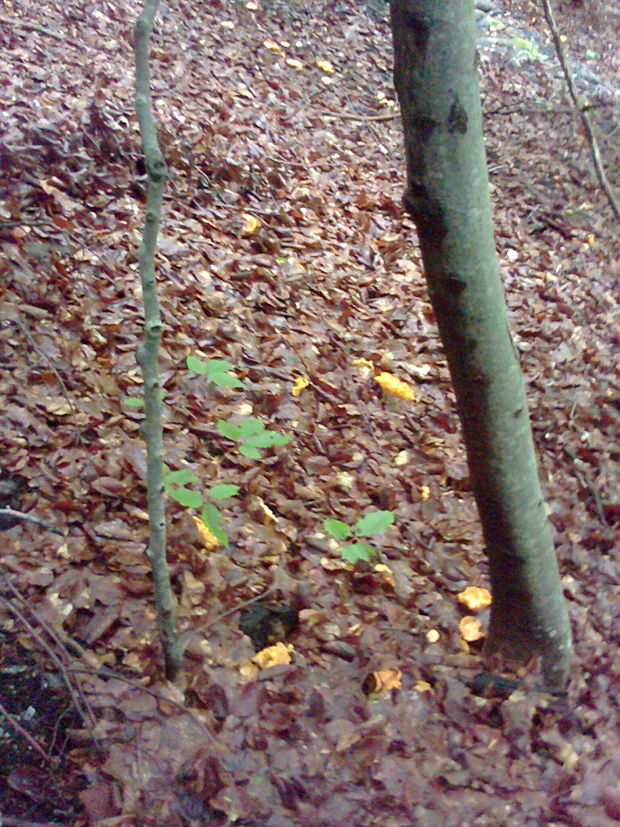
(585, 118)
(545, 110)
(24, 733)
(20, 322)
(15, 22)
(9, 821)
(20, 515)
(348, 116)
(237, 608)
(104, 673)
(77, 694)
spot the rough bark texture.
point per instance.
(148, 351)
(447, 195)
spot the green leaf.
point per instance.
(229, 430)
(226, 379)
(221, 535)
(217, 370)
(187, 497)
(182, 477)
(197, 365)
(336, 528)
(250, 427)
(133, 402)
(250, 451)
(373, 523)
(218, 366)
(212, 518)
(357, 551)
(223, 490)
(267, 439)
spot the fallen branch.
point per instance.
(585, 119)
(33, 27)
(349, 116)
(24, 733)
(9, 517)
(77, 695)
(525, 108)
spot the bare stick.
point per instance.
(148, 352)
(20, 322)
(27, 518)
(77, 695)
(24, 733)
(585, 118)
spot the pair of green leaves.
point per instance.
(251, 436)
(216, 370)
(366, 526)
(176, 482)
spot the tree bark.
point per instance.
(435, 75)
(147, 354)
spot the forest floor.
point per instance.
(284, 249)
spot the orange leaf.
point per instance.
(474, 598)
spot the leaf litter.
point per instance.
(286, 254)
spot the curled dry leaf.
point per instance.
(474, 598)
(470, 629)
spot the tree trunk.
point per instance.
(447, 195)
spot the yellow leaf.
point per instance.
(275, 655)
(249, 670)
(470, 629)
(294, 63)
(335, 565)
(227, 24)
(325, 66)
(273, 46)
(58, 406)
(475, 598)
(392, 384)
(345, 480)
(401, 458)
(385, 680)
(432, 635)
(363, 363)
(250, 224)
(423, 686)
(209, 540)
(386, 574)
(260, 511)
(252, 6)
(299, 384)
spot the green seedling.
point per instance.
(176, 484)
(216, 370)
(251, 436)
(138, 401)
(525, 48)
(369, 524)
(133, 402)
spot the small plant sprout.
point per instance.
(251, 436)
(176, 484)
(366, 526)
(216, 370)
(138, 401)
